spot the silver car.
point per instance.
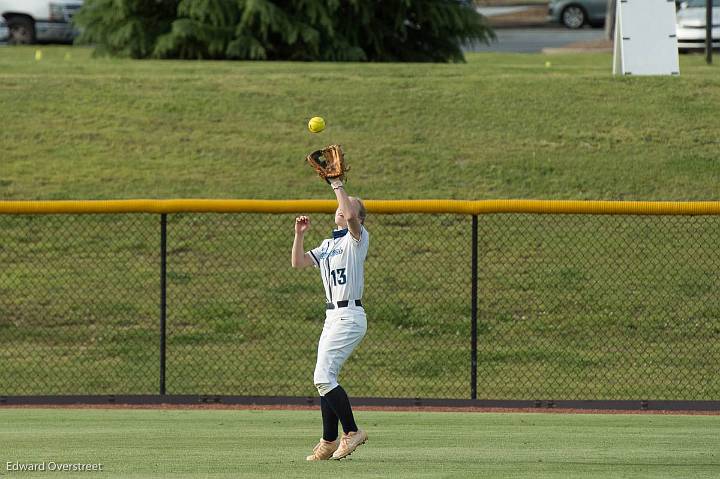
(578, 13)
(691, 25)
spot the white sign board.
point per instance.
(645, 38)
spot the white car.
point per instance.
(31, 21)
(691, 25)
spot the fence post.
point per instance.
(163, 297)
(473, 309)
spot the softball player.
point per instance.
(341, 262)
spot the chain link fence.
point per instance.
(568, 306)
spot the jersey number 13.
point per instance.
(338, 276)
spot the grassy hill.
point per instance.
(500, 126)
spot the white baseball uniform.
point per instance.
(341, 260)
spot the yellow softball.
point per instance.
(316, 124)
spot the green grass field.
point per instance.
(562, 300)
(258, 444)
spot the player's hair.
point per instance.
(361, 212)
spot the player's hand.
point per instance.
(302, 224)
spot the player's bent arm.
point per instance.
(305, 261)
(300, 259)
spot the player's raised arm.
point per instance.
(300, 259)
(349, 207)
(329, 163)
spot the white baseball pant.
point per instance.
(343, 330)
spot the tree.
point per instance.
(415, 30)
(330, 30)
(247, 29)
(125, 28)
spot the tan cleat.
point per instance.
(324, 450)
(349, 442)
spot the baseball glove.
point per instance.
(329, 163)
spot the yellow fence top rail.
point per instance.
(479, 207)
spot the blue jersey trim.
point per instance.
(339, 233)
(315, 258)
(327, 268)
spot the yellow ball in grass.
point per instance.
(316, 124)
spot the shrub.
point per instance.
(331, 30)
